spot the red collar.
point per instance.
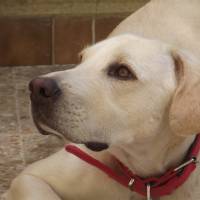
(150, 187)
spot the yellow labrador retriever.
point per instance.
(135, 97)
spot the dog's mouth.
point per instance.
(96, 146)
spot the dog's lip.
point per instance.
(41, 130)
(96, 146)
(46, 130)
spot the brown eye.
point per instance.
(120, 71)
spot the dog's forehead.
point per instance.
(125, 45)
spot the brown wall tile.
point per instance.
(71, 36)
(25, 41)
(104, 26)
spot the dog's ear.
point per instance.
(184, 114)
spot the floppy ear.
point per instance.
(184, 115)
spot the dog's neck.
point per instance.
(150, 157)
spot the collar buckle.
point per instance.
(192, 160)
(131, 183)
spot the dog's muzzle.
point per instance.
(44, 93)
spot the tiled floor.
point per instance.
(20, 142)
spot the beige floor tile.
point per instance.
(37, 146)
(11, 162)
(6, 76)
(8, 123)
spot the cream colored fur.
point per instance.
(149, 122)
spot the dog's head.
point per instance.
(125, 88)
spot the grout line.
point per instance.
(93, 30)
(22, 151)
(53, 41)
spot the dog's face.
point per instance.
(121, 91)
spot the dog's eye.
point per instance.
(121, 71)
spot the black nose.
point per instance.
(44, 88)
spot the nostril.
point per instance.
(43, 92)
(44, 87)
